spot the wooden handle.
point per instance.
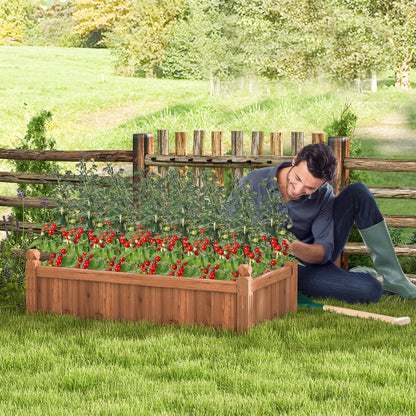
(367, 315)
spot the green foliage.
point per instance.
(12, 276)
(52, 25)
(12, 261)
(344, 127)
(140, 47)
(206, 43)
(35, 139)
(164, 201)
(13, 20)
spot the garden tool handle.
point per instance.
(367, 315)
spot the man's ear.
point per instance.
(294, 161)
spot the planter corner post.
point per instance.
(245, 306)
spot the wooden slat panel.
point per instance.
(90, 298)
(217, 309)
(66, 298)
(127, 302)
(230, 317)
(136, 279)
(271, 278)
(202, 310)
(108, 310)
(55, 296)
(42, 294)
(98, 300)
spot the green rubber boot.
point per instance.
(378, 241)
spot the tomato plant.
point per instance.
(169, 253)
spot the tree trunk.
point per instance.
(402, 76)
(373, 81)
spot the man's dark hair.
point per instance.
(320, 160)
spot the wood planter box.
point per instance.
(129, 296)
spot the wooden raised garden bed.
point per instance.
(129, 296)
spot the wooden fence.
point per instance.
(144, 156)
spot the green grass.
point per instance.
(309, 363)
(95, 109)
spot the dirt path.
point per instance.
(391, 129)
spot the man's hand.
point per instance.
(309, 253)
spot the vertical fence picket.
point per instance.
(237, 149)
(163, 148)
(297, 141)
(318, 137)
(217, 149)
(181, 143)
(199, 143)
(276, 144)
(143, 144)
(257, 143)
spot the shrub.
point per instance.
(35, 139)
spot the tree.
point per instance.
(396, 23)
(140, 39)
(95, 18)
(204, 43)
(400, 22)
(13, 21)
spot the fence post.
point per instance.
(276, 144)
(297, 141)
(199, 143)
(257, 143)
(318, 138)
(341, 148)
(143, 144)
(181, 142)
(244, 298)
(163, 148)
(237, 149)
(217, 149)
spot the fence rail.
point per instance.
(144, 155)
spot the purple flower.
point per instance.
(20, 194)
(5, 226)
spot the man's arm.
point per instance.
(309, 253)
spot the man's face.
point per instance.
(301, 182)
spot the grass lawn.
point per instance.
(309, 363)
